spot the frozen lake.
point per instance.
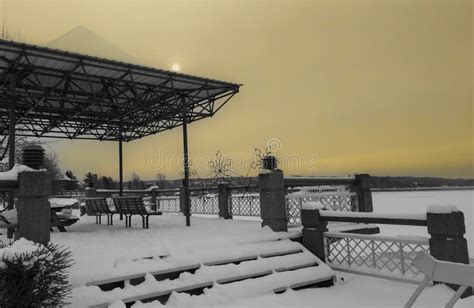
(417, 202)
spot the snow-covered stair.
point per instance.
(253, 269)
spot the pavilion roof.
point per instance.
(59, 94)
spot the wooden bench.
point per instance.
(98, 207)
(132, 205)
(442, 271)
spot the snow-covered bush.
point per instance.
(33, 275)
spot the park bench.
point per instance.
(133, 205)
(442, 271)
(98, 207)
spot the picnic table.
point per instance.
(61, 213)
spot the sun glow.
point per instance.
(175, 67)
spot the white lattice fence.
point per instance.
(206, 204)
(332, 201)
(245, 205)
(374, 254)
(169, 204)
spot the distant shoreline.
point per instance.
(422, 188)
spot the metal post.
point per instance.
(186, 166)
(120, 165)
(12, 122)
(120, 161)
(11, 142)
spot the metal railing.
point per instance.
(204, 204)
(249, 204)
(333, 201)
(245, 204)
(382, 256)
(168, 203)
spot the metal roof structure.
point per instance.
(57, 94)
(60, 94)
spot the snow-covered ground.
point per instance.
(349, 291)
(100, 251)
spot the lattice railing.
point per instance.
(249, 204)
(206, 204)
(245, 205)
(169, 204)
(332, 201)
(383, 255)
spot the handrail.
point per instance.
(310, 181)
(370, 218)
(400, 239)
(323, 193)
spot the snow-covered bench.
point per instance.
(98, 207)
(133, 205)
(442, 271)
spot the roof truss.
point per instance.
(65, 95)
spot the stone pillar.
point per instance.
(313, 232)
(364, 195)
(223, 201)
(447, 242)
(272, 200)
(34, 212)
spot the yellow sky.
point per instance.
(383, 87)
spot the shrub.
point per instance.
(33, 275)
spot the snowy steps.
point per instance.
(245, 252)
(261, 267)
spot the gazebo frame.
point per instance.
(56, 94)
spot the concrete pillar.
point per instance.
(364, 195)
(313, 232)
(272, 200)
(34, 212)
(447, 242)
(223, 201)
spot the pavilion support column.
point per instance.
(11, 142)
(120, 164)
(186, 167)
